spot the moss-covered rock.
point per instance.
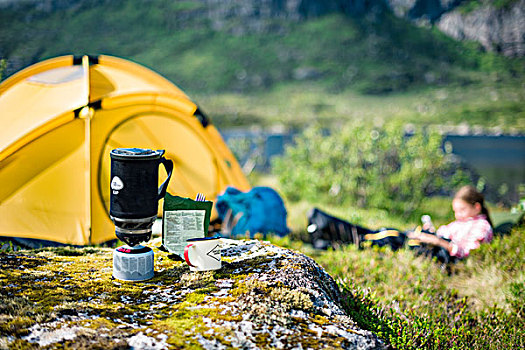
(263, 297)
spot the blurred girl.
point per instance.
(471, 228)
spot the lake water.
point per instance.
(499, 159)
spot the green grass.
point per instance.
(480, 305)
(471, 5)
(414, 302)
(295, 106)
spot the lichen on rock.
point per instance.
(263, 297)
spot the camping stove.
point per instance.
(133, 263)
(133, 208)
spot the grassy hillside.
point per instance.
(333, 67)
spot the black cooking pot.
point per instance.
(135, 192)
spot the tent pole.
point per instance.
(87, 145)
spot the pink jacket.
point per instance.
(466, 235)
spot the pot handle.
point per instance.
(168, 165)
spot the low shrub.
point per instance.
(368, 166)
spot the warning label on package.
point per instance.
(180, 225)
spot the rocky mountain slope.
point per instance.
(501, 30)
(498, 25)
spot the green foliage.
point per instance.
(413, 303)
(471, 5)
(3, 65)
(376, 167)
(503, 4)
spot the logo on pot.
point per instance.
(116, 184)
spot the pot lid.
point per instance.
(135, 153)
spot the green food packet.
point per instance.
(183, 218)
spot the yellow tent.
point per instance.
(60, 118)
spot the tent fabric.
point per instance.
(60, 119)
(260, 210)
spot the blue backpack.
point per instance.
(261, 210)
